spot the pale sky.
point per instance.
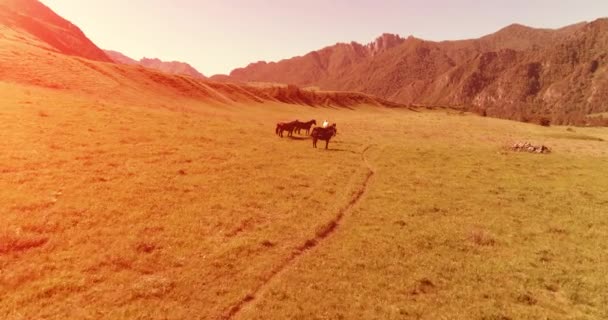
(220, 35)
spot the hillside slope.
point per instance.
(36, 19)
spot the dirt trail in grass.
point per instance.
(309, 244)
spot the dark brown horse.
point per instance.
(305, 126)
(286, 126)
(325, 134)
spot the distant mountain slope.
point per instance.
(174, 67)
(120, 58)
(59, 34)
(519, 72)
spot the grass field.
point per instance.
(199, 211)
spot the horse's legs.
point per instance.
(326, 143)
(314, 142)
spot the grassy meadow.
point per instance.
(187, 210)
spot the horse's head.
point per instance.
(314, 122)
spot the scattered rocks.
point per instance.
(528, 147)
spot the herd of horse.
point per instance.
(318, 133)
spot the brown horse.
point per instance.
(286, 126)
(323, 134)
(305, 126)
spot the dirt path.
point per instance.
(308, 245)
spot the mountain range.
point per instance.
(519, 72)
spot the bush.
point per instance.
(545, 122)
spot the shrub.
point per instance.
(544, 121)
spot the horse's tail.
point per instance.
(276, 130)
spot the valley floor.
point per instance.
(191, 211)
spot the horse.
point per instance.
(286, 126)
(323, 134)
(306, 126)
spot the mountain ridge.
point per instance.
(173, 67)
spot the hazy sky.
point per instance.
(220, 35)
